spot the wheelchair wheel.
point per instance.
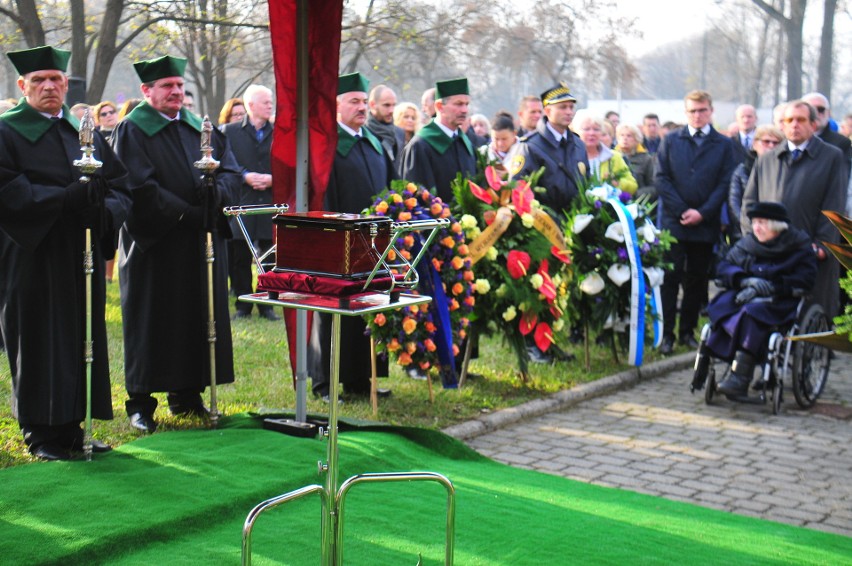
(811, 362)
(710, 386)
(777, 397)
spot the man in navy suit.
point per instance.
(694, 166)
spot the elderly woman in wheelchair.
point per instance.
(764, 277)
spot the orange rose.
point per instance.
(396, 198)
(455, 350)
(456, 227)
(409, 240)
(454, 305)
(469, 301)
(391, 255)
(458, 289)
(404, 216)
(380, 319)
(448, 242)
(414, 309)
(436, 208)
(411, 187)
(406, 254)
(410, 347)
(437, 264)
(429, 345)
(404, 359)
(430, 327)
(469, 275)
(462, 334)
(409, 325)
(425, 365)
(458, 263)
(446, 213)
(394, 345)
(410, 203)
(382, 207)
(463, 249)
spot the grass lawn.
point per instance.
(263, 380)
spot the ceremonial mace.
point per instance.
(88, 165)
(207, 165)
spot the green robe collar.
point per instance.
(346, 141)
(31, 123)
(440, 141)
(151, 122)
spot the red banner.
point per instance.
(324, 24)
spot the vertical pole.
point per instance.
(88, 347)
(302, 157)
(331, 525)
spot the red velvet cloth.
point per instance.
(304, 283)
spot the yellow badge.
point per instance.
(516, 164)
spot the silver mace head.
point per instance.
(206, 164)
(87, 164)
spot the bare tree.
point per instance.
(826, 49)
(793, 27)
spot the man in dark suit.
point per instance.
(746, 119)
(694, 166)
(808, 175)
(251, 142)
(826, 134)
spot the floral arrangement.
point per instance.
(520, 258)
(413, 335)
(600, 290)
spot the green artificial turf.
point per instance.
(181, 498)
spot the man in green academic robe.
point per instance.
(162, 268)
(44, 211)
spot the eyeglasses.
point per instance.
(769, 142)
(797, 119)
(820, 109)
(106, 113)
(697, 110)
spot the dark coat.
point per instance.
(696, 176)
(816, 182)
(562, 165)
(642, 166)
(253, 157)
(162, 260)
(787, 261)
(739, 180)
(841, 142)
(42, 286)
(433, 160)
(361, 170)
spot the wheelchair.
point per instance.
(803, 365)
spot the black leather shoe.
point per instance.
(241, 314)
(269, 315)
(667, 347)
(735, 385)
(51, 452)
(145, 423)
(689, 341)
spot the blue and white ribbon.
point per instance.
(637, 283)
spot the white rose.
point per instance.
(592, 284)
(536, 280)
(581, 221)
(467, 221)
(509, 314)
(482, 286)
(491, 254)
(501, 290)
(528, 220)
(618, 273)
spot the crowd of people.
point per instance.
(149, 203)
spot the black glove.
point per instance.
(211, 202)
(77, 196)
(763, 287)
(744, 296)
(193, 217)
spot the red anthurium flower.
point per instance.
(517, 263)
(543, 336)
(527, 323)
(480, 193)
(493, 178)
(562, 255)
(548, 289)
(522, 197)
(556, 312)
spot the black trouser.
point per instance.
(68, 436)
(691, 262)
(179, 401)
(239, 270)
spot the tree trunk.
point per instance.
(106, 52)
(30, 23)
(78, 41)
(826, 49)
(795, 48)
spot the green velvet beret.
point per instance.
(42, 58)
(450, 87)
(160, 68)
(353, 82)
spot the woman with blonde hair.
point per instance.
(407, 117)
(233, 111)
(605, 164)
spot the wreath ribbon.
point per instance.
(542, 222)
(637, 283)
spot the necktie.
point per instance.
(797, 153)
(563, 142)
(747, 142)
(698, 134)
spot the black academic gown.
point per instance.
(433, 159)
(361, 170)
(161, 255)
(42, 287)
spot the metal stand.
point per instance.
(333, 496)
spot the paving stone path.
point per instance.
(655, 437)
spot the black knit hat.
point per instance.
(769, 210)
